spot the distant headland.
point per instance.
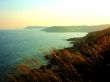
(82, 28)
(35, 27)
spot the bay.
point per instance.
(16, 45)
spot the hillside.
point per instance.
(82, 28)
(87, 61)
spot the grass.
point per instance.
(87, 61)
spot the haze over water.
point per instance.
(16, 45)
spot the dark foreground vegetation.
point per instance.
(87, 61)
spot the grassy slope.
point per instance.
(87, 61)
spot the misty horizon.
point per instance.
(22, 13)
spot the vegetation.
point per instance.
(87, 61)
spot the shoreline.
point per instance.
(86, 61)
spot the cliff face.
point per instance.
(96, 47)
(95, 43)
(87, 61)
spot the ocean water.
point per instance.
(16, 45)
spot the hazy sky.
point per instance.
(21, 13)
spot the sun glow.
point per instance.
(56, 12)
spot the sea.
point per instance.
(18, 45)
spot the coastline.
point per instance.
(86, 61)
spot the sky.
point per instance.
(22, 13)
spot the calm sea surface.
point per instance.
(16, 45)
